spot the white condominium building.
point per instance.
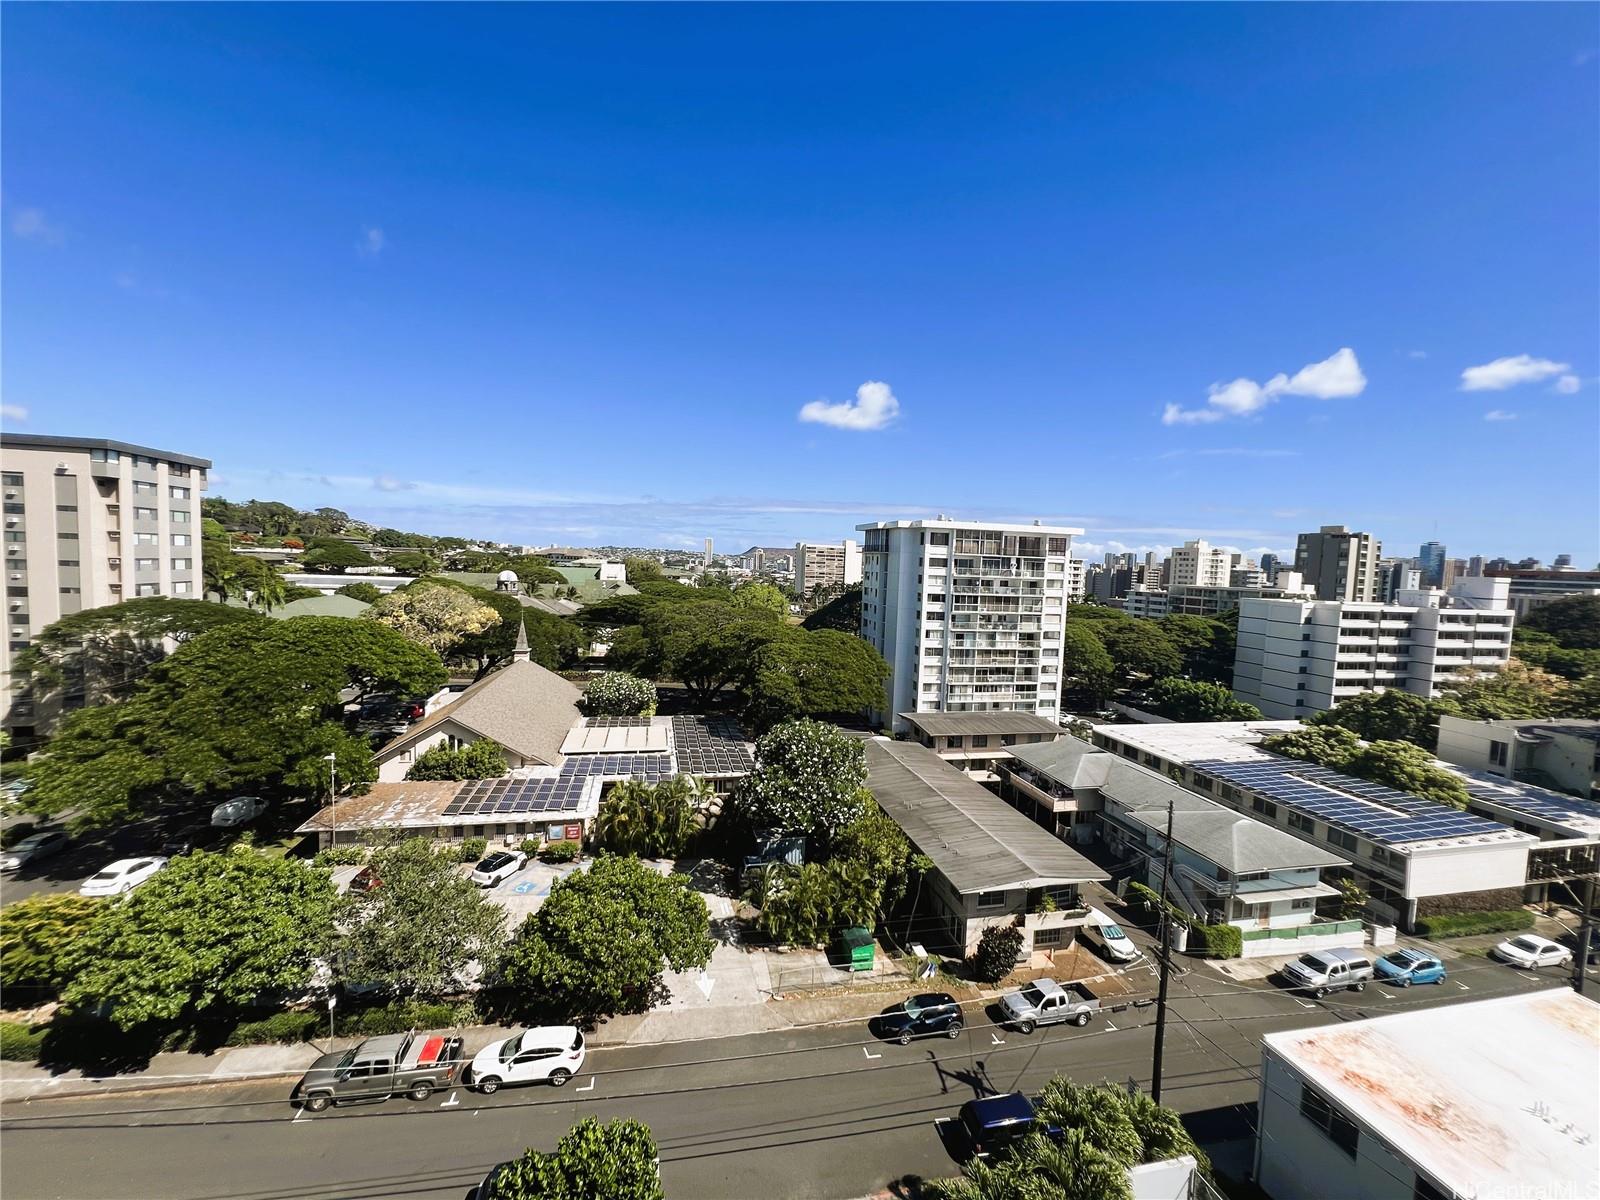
(91, 522)
(970, 616)
(1297, 657)
(1199, 562)
(826, 564)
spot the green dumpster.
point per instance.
(858, 947)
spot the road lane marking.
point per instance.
(996, 1038)
(1462, 986)
(1302, 1003)
(302, 1114)
(1382, 995)
(869, 1053)
(452, 1102)
(1110, 1028)
(590, 1088)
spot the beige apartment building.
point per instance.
(826, 564)
(91, 522)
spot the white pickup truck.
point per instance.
(1046, 1002)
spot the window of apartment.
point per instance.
(143, 487)
(1203, 782)
(146, 589)
(1315, 1108)
(181, 587)
(938, 539)
(144, 539)
(1303, 823)
(953, 743)
(146, 564)
(144, 514)
(991, 900)
(1056, 545)
(66, 508)
(16, 508)
(1341, 839)
(11, 479)
(1497, 753)
(180, 516)
(183, 564)
(66, 562)
(72, 591)
(104, 456)
(1302, 903)
(1265, 807)
(180, 539)
(142, 460)
(178, 493)
(1046, 938)
(180, 469)
(980, 741)
(938, 564)
(67, 537)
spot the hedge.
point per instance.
(1448, 925)
(560, 852)
(1222, 941)
(19, 1042)
(280, 1027)
(346, 855)
(472, 849)
(409, 1014)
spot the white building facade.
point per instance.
(969, 616)
(1199, 562)
(826, 564)
(1298, 657)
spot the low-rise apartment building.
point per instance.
(975, 742)
(1197, 600)
(91, 522)
(1415, 858)
(1560, 754)
(1297, 657)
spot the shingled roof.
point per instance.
(523, 706)
(975, 839)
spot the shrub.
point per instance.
(560, 852)
(19, 1042)
(618, 694)
(347, 855)
(408, 1014)
(1450, 925)
(483, 759)
(472, 849)
(996, 955)
(367, 593)
(530, 846)
(279, 1027)
(1223, 941)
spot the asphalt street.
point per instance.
(820, 1112)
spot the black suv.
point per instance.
(926, 1015)
(993, 1124)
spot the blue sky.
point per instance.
(575, 274)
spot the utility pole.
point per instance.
(1165, 950)
(1580, 954)
(333, 809)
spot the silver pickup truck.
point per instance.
(1046, 1002)
(413, 1063)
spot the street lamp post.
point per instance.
(333, 803)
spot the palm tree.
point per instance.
(623, 822)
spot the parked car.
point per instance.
(415, 1064)
(1325, 971)
(389, 711)
(931, 1014)
(121, 876)
(365, 880)
(551, 1054)
(1406, 967)
(237, 811)
(498, 867)
(993, 1123)
(1530, 951)
(1109, 937)
(34, 847)
(1046, 1002)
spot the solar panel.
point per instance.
(710, 745)
(618, 722)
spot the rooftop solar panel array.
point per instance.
(710, 746)
(1378, 813)
(517, 797)
(1535, 802)
(618, 722)
(651, 768)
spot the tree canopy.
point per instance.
(1389, 714)
(1139, 649)
(603, 937)
(616, 1161)
(813, 673)
(1205, 645)
(761, 596)
(619, 694)
(209, 933)
(368, 593)
(866, 873)
(1400, 765)
(1574, 621)
(420, 928)
(553, 642)
(335, 555)
(1191, 700)
(655, 820)
(482, 759)
(642, 570)
(843, 612)
(433, 616)
(809, 779)
(1086, 664)
(244, 707)
(37, 936)
(1515, 692)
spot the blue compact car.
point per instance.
(1406, 967)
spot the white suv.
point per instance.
(552, 1052)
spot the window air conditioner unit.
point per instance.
(16, 576)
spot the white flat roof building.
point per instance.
(1413, 857)
(1297, 657)
(969, 614)
(1492, 1098)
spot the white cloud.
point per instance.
(388, 483)
(33, 225)
(874, 407)
(1499, 414)
(1335, 377)
(1504, 373)
(13, 412)
(1568, 384)
(372, 243)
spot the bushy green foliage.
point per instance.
(208, 934)
(418, 931)
(1390, 715)
(1191, 700)
(432, 615)
(1516, 692)
(1223, 941)
(240, 709)
(1086, 664)
(654, 820)
(405, 1015)
(471, 849)
(19, 1042)
(530, 846)
(37, 936)
(560, 851)
(799, 673)
(279, 1027)
(1451, 925)
(345, 854)
(761, 596)
(808, 779)
(996, 955)
(482, 759)
(1205, 645)
(1574, 621)
(616, 1160)
(619, 694)
(1139, 649)
(1400, 765)
(601, 940)
(842, 613)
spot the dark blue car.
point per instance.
(1406, 967)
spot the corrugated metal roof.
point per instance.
(976, 840)
(950, 724)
